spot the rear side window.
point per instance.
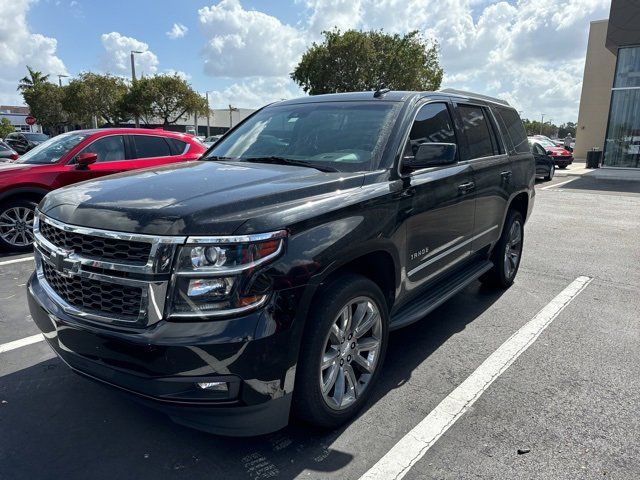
(480, 139)
(433, 124)
(147, 146)
(178, 147)
(512, 126)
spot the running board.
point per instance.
(440, 293)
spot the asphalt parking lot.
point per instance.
(569, 400)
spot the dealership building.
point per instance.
(609, 118)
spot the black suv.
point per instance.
(264, 279)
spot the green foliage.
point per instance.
(91, 94)
(533, 127)
(6, 128)
(361, 61)
(32, 80)
(567, 128)
(164, 97)
(45, 103)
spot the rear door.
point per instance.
(440, 221)
(152, 150)
(483, 148)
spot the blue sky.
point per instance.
(530, 52)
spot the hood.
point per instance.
(559, 151)
(196, 198)
(13, 168)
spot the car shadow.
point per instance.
(56, 424)
(603, 185)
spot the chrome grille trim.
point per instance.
(154, 290)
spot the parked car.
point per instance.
(7, 153)
(562, 157)
(545, 164)
(264, 279)
(73, 157)
(22, 142)
(211, 140)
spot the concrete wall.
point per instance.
(595, 99)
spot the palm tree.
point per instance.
(32, 80)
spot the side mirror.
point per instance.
(431, 155)
(549, 152)
(85, 159)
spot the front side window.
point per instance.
(148, 146)
(433, 124)
(108, 149)
(477, 131)
(342, 136)
(53, 149)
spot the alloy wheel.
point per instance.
(351, 353)
(16, 226)
(513, 249)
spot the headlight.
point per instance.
(212, 274)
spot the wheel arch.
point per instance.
(30, 193)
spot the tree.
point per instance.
(45, 103)
(6, 127)
(568, 128)
(96, 95)
(534, 127)
(32, 80)
(163, 97)
(361, 61)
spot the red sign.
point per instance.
(30, 120)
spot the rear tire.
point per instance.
(334, 379)
(16, 225)
(507, 253)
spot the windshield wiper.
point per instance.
(289, 161)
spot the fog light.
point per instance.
(214, 386)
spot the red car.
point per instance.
(76, 156)
(562, 157)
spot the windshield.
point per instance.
(342, 136)
(545, 143)
(36, 137)
(53, 149)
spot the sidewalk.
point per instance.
(578, 168)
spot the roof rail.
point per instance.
(474, 95)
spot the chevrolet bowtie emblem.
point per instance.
(63, 264)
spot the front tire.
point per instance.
(507, 253)
(16, 225)
(342, 352)
(552, 171)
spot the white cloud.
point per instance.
(255, 92)
(117, 56)
(20, 47)
(244, 43)
(177, 31)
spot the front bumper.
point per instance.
(563, 161)
(162, 364)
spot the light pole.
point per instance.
(206, 94)
(133, 79)
(541, 122)
(231, 110)
(60, 77)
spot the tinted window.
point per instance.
(177, 146)
(432, 124)
(36, 137)
(478, 132)
(514, 130)
(147, 146)
(109, 149)
(537, 149)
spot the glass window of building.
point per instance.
(622, 144)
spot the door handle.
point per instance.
(507, 174)
(466, 187)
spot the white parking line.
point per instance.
(555, 185)
(16, 260)
(413, 446)
(23, 342)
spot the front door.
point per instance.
(441, 218)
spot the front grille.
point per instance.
(103, 298)
(109, 249)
